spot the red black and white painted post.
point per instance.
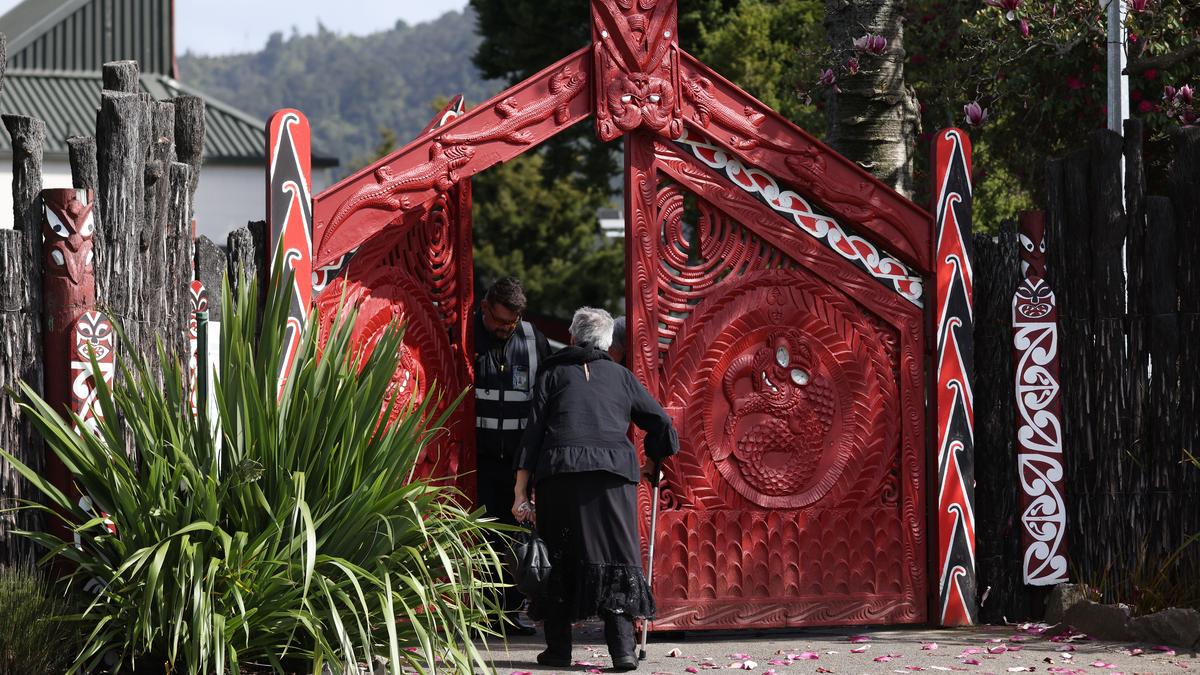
(290, 218)
(954, 325)
(74, 332)
(1039, 413)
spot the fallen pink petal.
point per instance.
(806, 656)
(929, 646)
(971, 650)
(882, 659)
(1101, 664)
(971, 662)
(998, 649)
(691, 669)
(860, 638)
(1021, 669)
(859, 650)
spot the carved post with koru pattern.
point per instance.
(1039, 413)
(954, 394)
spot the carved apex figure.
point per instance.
(636, 63)
(1032, 237)
(68, 223)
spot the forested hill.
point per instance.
(351, 87)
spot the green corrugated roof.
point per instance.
(67, 101)
(81, 35)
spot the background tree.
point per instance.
(873, 116)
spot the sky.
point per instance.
(230, 26)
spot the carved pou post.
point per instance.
(73, 331)
(1039, 413)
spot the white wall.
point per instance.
(54, 175)
(229, 196)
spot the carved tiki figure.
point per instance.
(636, 67)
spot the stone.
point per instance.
(1107, 622)
(1176, 626)
(1062, 597)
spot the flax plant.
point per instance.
(295, 538)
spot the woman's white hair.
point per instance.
(592, 327)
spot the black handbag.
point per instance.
(529, 563)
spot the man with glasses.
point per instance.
(507, 353)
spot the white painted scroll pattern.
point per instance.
(1039, 434)
(825, 229)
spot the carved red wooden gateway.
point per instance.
(777, 307)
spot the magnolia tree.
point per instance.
(1030, 78)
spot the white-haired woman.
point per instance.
(577, 456)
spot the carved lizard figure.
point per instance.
(698, 90)
(565, 85)
(389, 190)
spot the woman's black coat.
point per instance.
(583, 405)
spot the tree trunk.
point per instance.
(873, 119)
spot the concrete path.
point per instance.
(987, 649)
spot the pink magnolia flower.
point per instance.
(976, 114)
(1010, 7)
(1169, 93)
(1024, 27)
(871, 43)
(1185, 94)
(1139, 6)
(852, 66)
(828, 79)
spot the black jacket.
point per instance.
(504, 379)
(582, 408)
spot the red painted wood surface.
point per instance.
(68, 290)
(795, 380)
(511, 123)
(954, 394)
(289, 219)
(776, 296)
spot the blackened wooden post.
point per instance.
(21, 329)
(157, 276)
(248, 254)
(1185, 198)
(211, 267)
(1072, 250)
(1135, 323)
(189, 141)
(1116, 468)
(81, 152)
(1162, 390)
(120, 161)
(179, 269)
(996, 487)
(121, 76)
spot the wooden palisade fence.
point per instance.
(1124, 269)
(143, 165)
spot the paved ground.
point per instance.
(989, 649)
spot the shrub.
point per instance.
(34, 638)
(295, 534)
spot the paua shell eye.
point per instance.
(56, 224)
(800, 377)
(89, 224)
(781, 356)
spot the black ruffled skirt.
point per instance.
(589, 523)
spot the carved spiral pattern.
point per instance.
(383, 295)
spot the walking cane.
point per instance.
(654, 480)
